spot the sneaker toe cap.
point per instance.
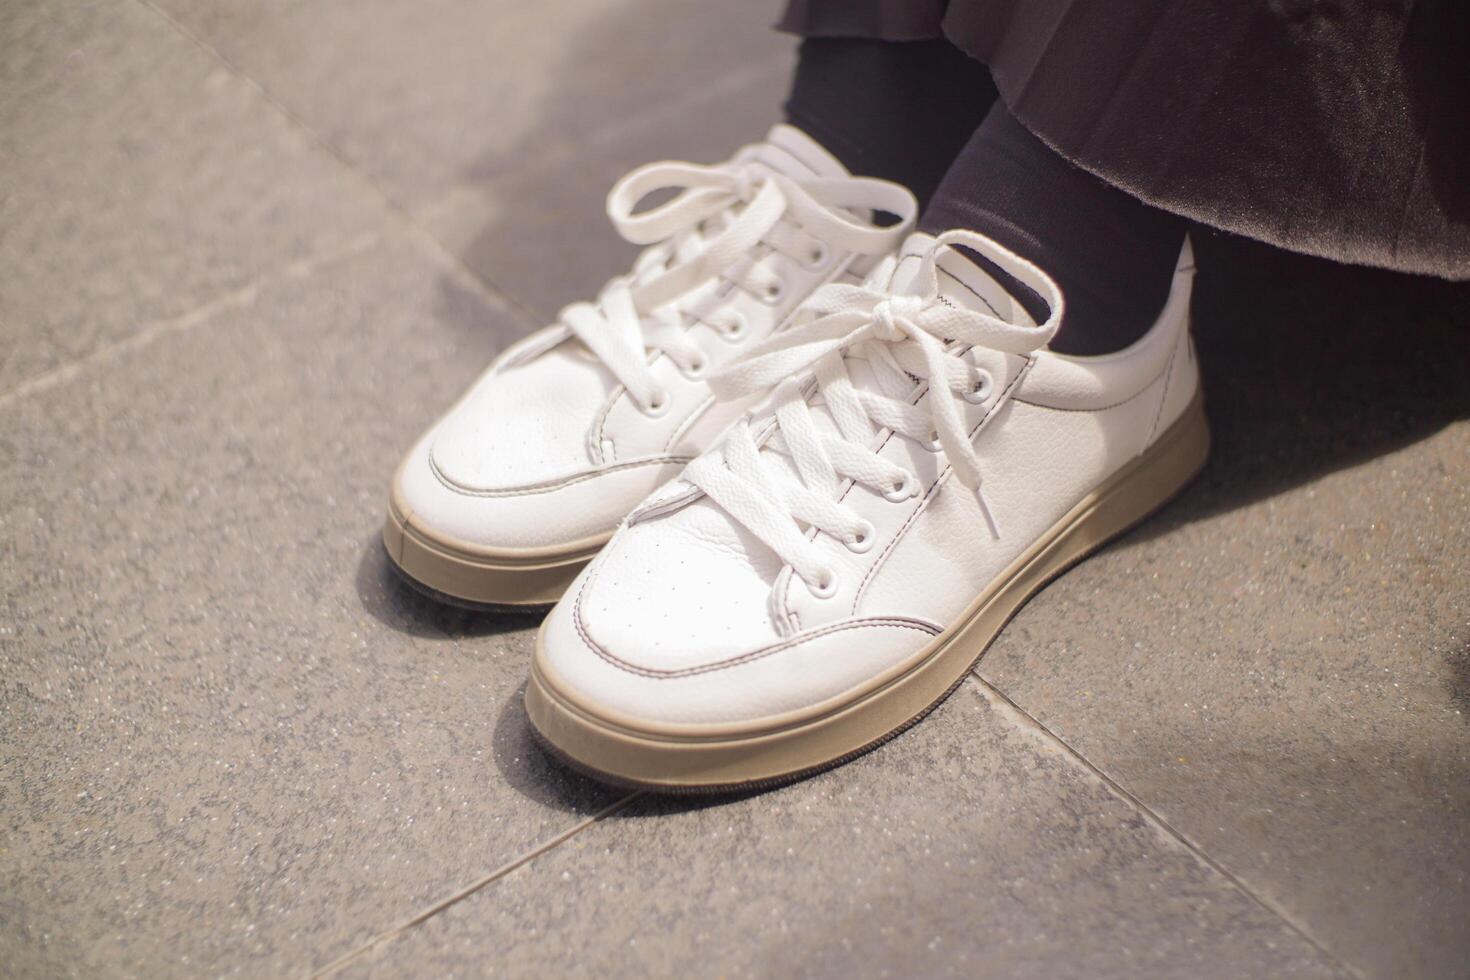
(564, 512)
(715, 686)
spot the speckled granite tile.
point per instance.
(423, 95)
(231, 743)
(500, 135)
(140, 180)
(540, 233)
(1280, 663)
(969, 846)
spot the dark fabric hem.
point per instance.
(1337, 137)
(883, 20)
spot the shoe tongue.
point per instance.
(790, 152)
(961, 281)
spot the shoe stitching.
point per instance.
(539, 488)
(1164, 398)
(693, 417)
(791, 614)
(929, 493)
(1101, 408)
(599, 425)
(744, 658)
(970, 289)
(838, 270)
(597, 434)
(786, 599)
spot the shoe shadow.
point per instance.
(1458, 682)
(535, 774)
(1311, 367)
(538, 775)
(393, 602)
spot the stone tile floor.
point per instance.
(248, 250)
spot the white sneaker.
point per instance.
(828, 573)
(504, 500)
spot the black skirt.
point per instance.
(1337, 128)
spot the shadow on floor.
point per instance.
(531, 772)
(1311, 367)
(546, 240)
(394, 603)
(528, 769)
(1459, 682)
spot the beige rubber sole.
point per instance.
(483, 578)
(710, 758)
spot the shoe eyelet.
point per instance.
(863, 540)
(826, 588)
(697, 369)
(932, 444)
(817, 256)
(774, 293)
(902, 491)
(735, 332)
(658, 406)
(981, 392)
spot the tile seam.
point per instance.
(435, 908)
(417, 236)
(1024, 720)
(232, 299)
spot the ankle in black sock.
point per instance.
(1113, 255)
(899, 110)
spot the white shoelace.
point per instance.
(901, 336)
(706, 233)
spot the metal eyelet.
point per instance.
(863, 540)
(658, 406)
(697, 369)
(981, 392)
(826, 588)
(774, 293)
(903, 491)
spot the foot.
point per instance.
(828, 573)
(504, 500)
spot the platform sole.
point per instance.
(688, 759)
(481, 578)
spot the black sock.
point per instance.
(1113, 255)
(900, 110)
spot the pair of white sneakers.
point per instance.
(787, 479)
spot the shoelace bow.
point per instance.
(706, 232)
(901, 336)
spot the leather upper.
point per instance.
(686, 618)
(547, 448)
